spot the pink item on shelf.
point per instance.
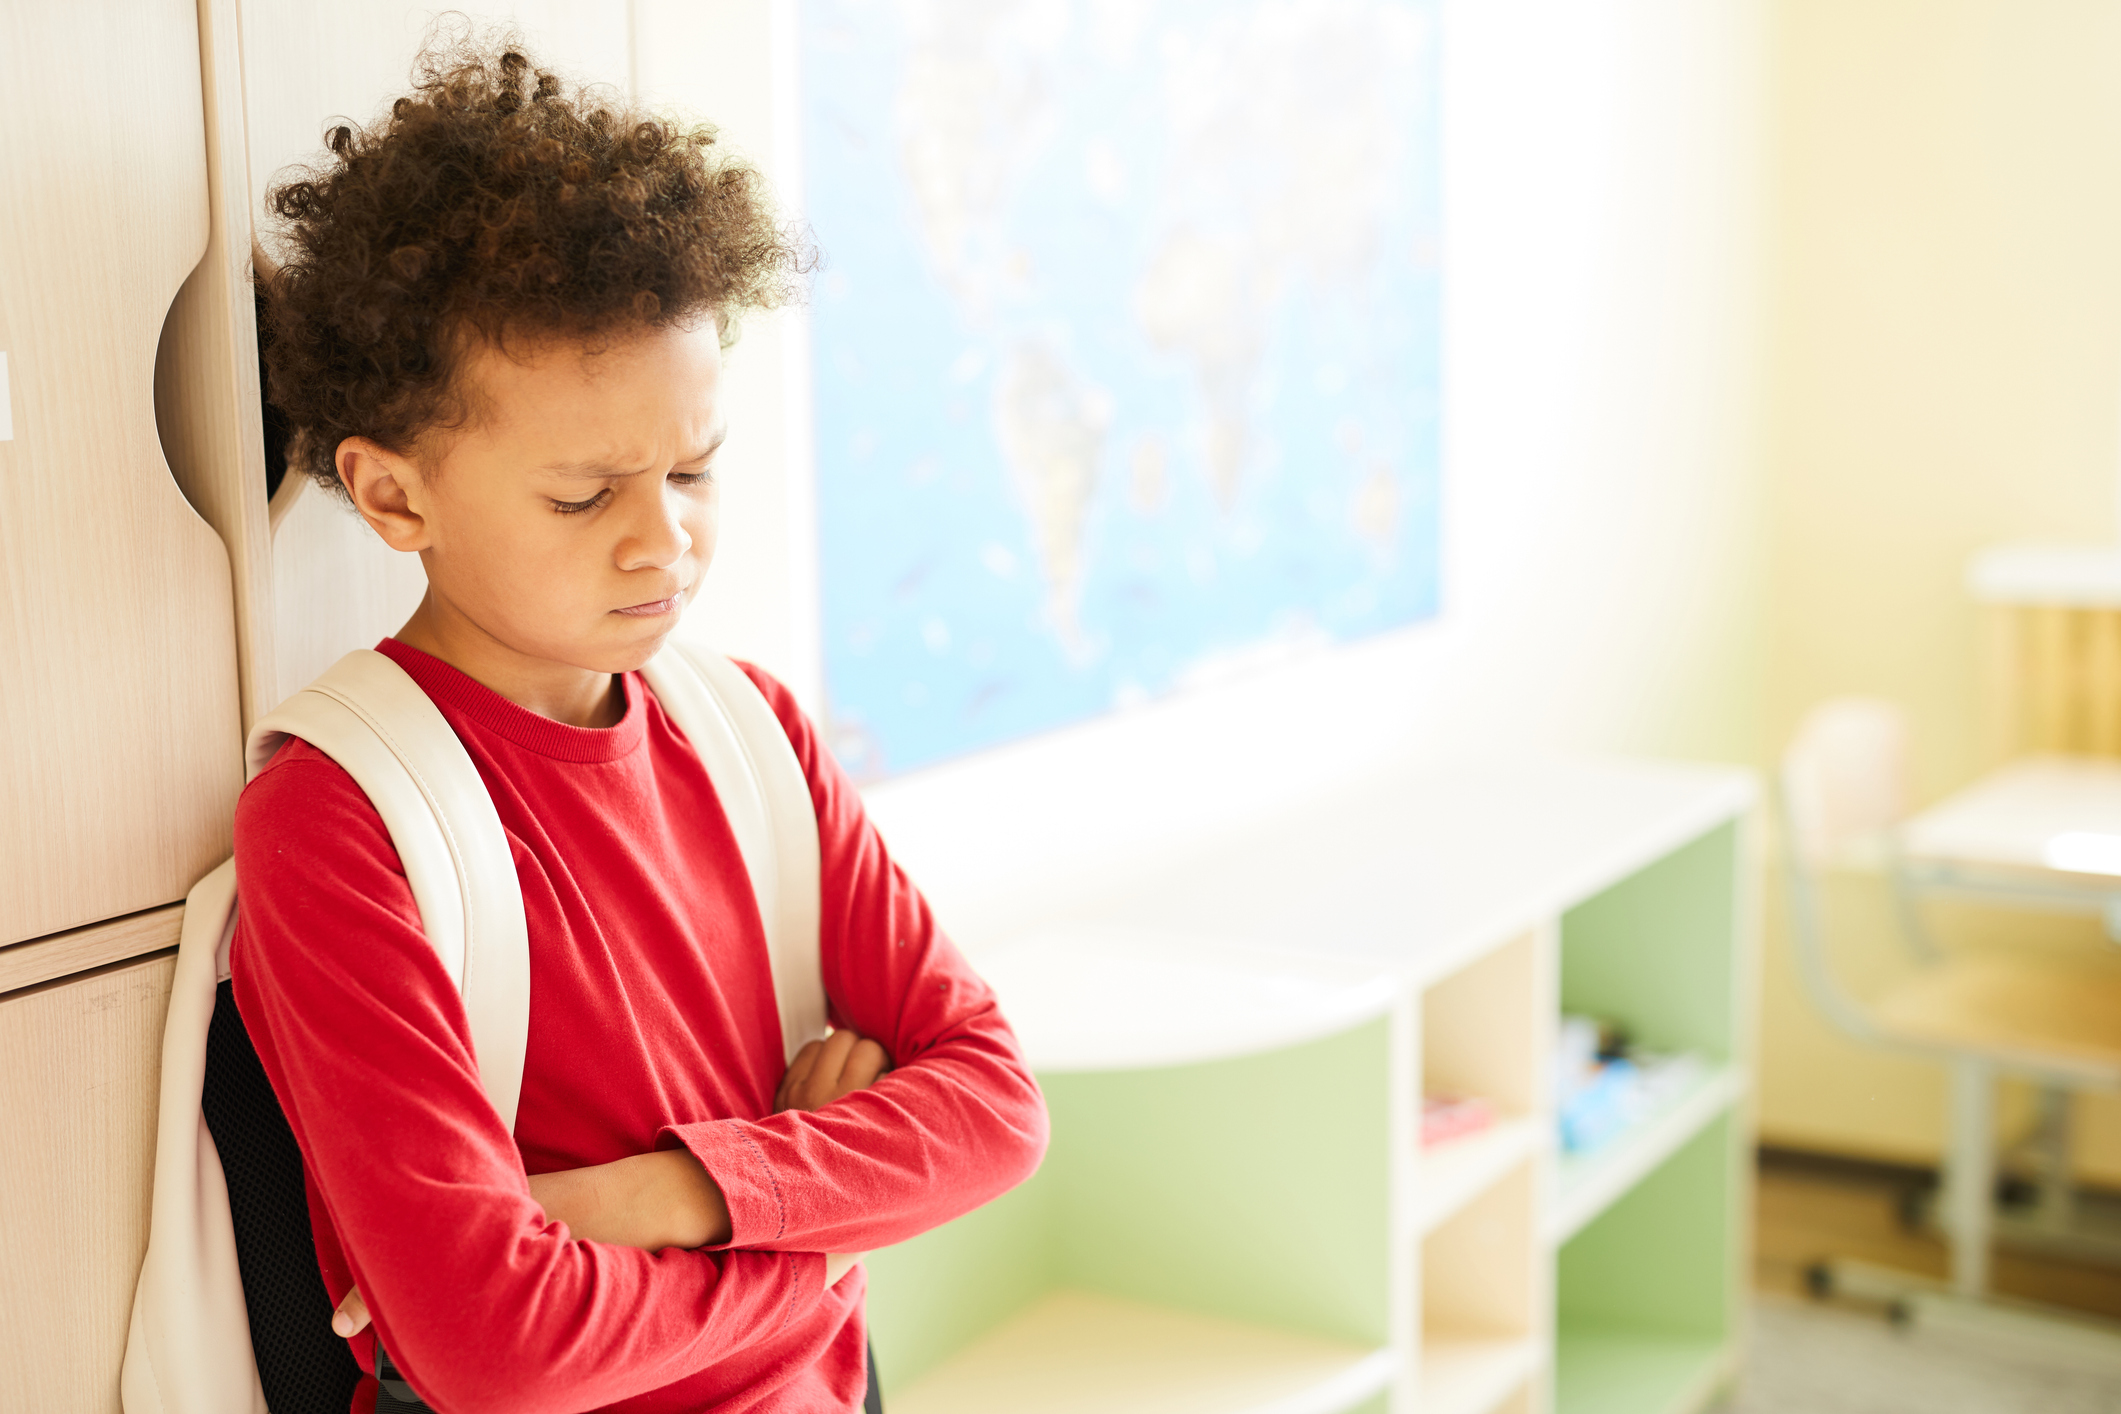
(1448, 1117)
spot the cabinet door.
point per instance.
(120, 736)
(79, 1063)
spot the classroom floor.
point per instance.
(1810, 1207)
(1812, 1358)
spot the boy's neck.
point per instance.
(578, 697)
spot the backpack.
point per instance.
(190, 1348)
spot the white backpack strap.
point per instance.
(188, 1350)
(767, 799)
(370, 717)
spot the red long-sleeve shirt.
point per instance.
(652, 1023)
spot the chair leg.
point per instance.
(1970, 1175)
(2058, 1190)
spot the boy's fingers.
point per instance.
(822, 1071)
(351, 1316)
(838, 1046)
(821, 1084)
(790, 1097)
(865, 1063)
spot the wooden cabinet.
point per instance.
(152, 603)
(79, 1063)
(120, 730)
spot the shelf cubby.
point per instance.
(1660, 953)
(1481, 1036)
(1481, 1326)
(1648, 1294)
(1657, 951)
(1208, 1237)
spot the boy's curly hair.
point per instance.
(496, 201)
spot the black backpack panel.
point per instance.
(304, 1367)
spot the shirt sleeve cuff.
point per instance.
(758, 1212)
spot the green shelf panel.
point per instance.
(1255, 1189)
(1621, 1371)
(1657, 950)
(933, 1296)
(1662, 1258)
(1648, 1294)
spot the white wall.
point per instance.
(1946, 355)
(1602, 207)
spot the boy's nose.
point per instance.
(658, 539)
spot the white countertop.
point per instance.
(2058, 815)
(2064, 576)
(1302, 928)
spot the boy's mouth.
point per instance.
(652, 608)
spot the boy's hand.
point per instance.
(352, 1316)
(822, 1071)
(651, 1201)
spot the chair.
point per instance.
(1842, 795)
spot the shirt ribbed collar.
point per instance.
(467, 701)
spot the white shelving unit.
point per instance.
(1236, 1216)
(1452, 1175)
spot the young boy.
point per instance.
(498, 331)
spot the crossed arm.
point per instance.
(667, 1198)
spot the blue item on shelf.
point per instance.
(1603, 1085)
(1600, 1108)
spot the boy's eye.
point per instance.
(568, 508)
(690, 478)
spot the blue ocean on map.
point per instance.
(1126, 350)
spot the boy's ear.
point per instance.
(384, 486)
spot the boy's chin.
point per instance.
(639, 645)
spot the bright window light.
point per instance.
(2084, 852)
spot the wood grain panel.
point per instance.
(206, 368)
(2102, 701)
(79, 1065)
(2051, 680)
(120, 729)
(2049, 677)
(98, 945)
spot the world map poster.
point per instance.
(1126, 350)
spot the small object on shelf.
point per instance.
(1601, 1108)
(1664, 1076)
(1448, 1117)
(1603, 1084)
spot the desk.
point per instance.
(2043, 831)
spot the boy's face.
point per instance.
(570, 521)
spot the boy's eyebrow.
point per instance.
(603, 470)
